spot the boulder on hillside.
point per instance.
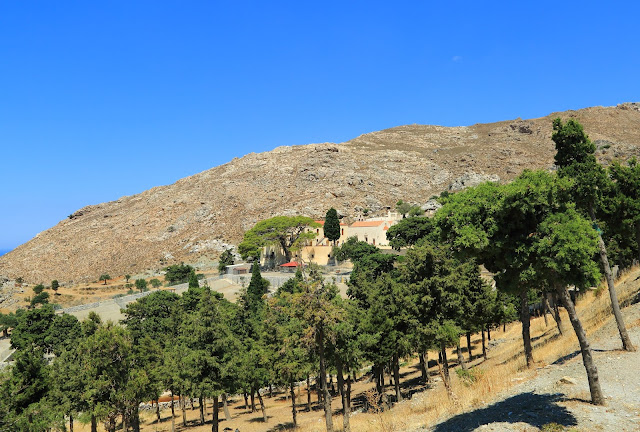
(471, 179)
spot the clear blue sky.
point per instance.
(104, 99)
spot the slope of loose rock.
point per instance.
(202, 214)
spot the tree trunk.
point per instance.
(323, 380)
(215, 415)
(271, 391)
(173, 414)
(488, 332)
(184, 411)
(469, 346)
(445, 368)
(597, 397)
(423, 368)
(378, 373)
(264, 411)
(484, 346)
(461, 362)
(319, 389)
(135, 417)
(556, 313)
(396, 377)
(94, 424)
(346, 412)
(545, 307)
(627, 345)
(225, 407)
(308, 394)
(638, 239)
(547, 304)
(526, 327)
(253, 400)
(349, 392)
(246, 400)
(110, 423)
(70, 422)
(294, 413)
(285, 249)
(158, 410)
(201, 411)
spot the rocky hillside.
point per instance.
(201, 214)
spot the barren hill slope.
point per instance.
(199, 214)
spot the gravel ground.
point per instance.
(546, 399)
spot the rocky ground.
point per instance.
(559, 393)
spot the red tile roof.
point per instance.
(321, 222)
(291, 264)
(367, 224)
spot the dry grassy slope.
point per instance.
(198, 214)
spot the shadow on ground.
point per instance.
(534, 409)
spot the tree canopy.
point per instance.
(177, 273)
(225, 260)
(288, 232)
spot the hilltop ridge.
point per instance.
(198, 216)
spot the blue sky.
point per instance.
(104, 99)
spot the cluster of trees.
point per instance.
(40, 296)
(546, 231)
(201, 346)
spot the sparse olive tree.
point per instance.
(141, 285)
(403, 208)
(225, 260)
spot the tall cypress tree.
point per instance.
(257, 288)
(193, 279)
(332, 225)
